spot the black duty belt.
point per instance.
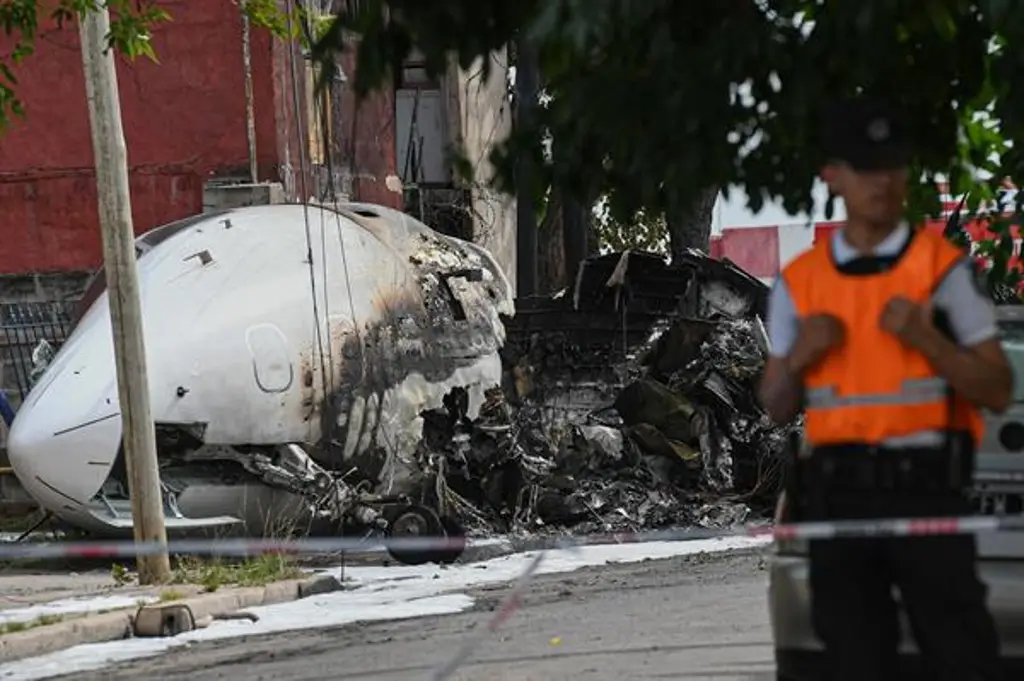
(858, 467)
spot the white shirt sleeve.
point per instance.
(972, 314)
(783, 324)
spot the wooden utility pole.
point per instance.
(123, 291)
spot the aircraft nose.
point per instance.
(65, 437)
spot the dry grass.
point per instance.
(41, 621)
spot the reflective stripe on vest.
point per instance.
(913, 391)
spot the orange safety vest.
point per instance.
(871, 387)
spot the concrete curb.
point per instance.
(113, 626)
(474, 553)
(525, 544)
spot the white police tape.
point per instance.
(889, 527)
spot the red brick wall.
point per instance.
(366, 135)
(50, 222)
(184, 120)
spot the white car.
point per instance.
(999, 480)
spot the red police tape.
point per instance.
(888, 527)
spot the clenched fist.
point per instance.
(818, 334)
(908, 321)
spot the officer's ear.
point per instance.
(831, 175)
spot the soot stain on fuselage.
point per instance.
(423, 329)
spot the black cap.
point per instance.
(868, 134)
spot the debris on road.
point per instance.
(628, 404)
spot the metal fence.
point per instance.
(22, 327)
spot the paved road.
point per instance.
(693, 618)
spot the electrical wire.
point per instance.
(324, 134)
(318, 114)
(303, 169)
(325, 139)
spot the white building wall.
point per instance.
(733, 212)
(484, 119)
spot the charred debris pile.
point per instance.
(628, 404)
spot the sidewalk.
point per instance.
(22, 588)
(43, 612)
(44, 609)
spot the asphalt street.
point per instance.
(693, 618)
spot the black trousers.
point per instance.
(852, 594)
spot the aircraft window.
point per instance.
(143, 244)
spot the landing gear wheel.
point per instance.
(456, 541)
(413, 520)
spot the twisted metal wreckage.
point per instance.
(422, 402)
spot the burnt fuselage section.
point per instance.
(291, 351)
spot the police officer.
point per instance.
(882, 337)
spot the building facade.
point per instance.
(764, 243)
(186, 129)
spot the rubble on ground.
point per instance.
(628, 404)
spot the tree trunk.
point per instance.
(527, 241)
(593, 239)
(551, 270)
(690, 226)
(575, 230)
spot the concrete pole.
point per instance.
(123, 290)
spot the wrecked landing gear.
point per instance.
(338, 508)
(414, 520)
